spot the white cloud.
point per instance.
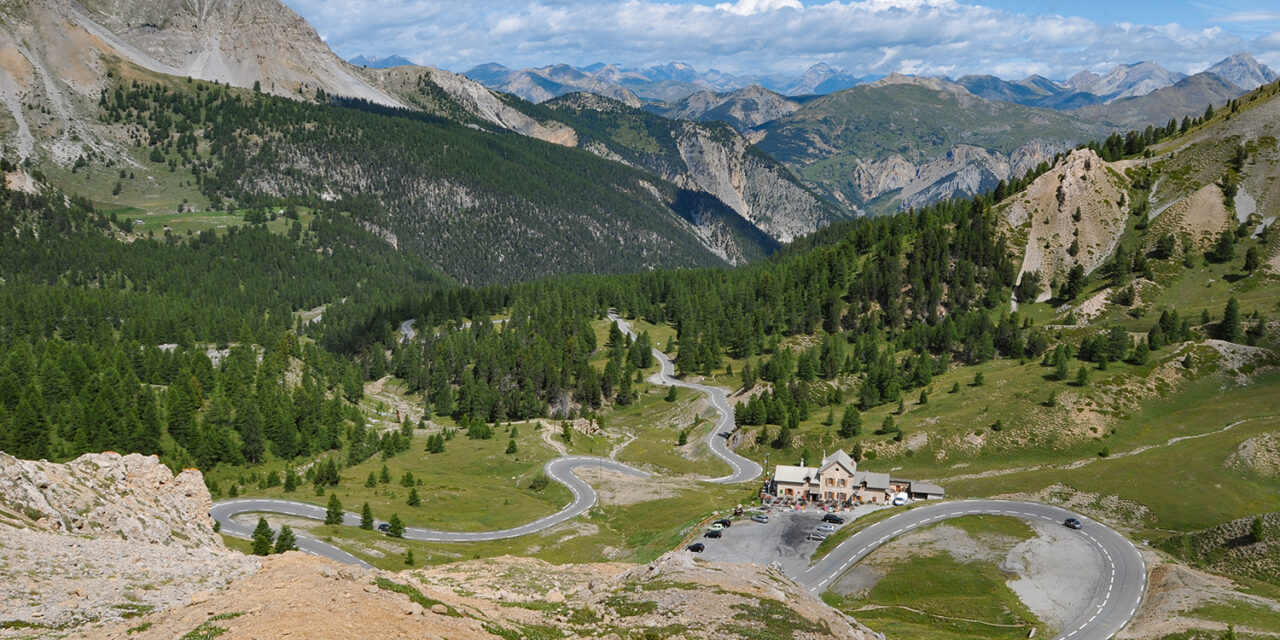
(752, 7)
(760, 36)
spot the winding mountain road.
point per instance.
(1112, 604)
(744, 469)
(561, 470)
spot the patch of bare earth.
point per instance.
(1173, 590)
(1259, 455)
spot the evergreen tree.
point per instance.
(333, 513)
(511, 446)
(262, 538)
(1258, 530)
(285, 541)
(671, 394)
(1251, 260)
(1229, 328)
(371, 481)
(395, 526)
(290, 481)
(850, 423)
(1082, 376)
(366, 517)
(414, 500)
(385, 475)
(407, 480)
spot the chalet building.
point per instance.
(837, 481)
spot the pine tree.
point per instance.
(395, 528)
(385, 476)
(511, 446)
(1258, 530)
(371, 481)
(407, 480)
(1082, 376)
(366, 517)
(671, 394)
(333, 514)
(262, 538)
(286, 540)
(290, 481)
(683, 439)
(1251, 260)
(850, 423)
(414, 500)
(1229, 329)
(408, 557)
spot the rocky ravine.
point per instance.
(111, 546)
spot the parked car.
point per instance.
(384, 527)
(1073, 523)
(712, 533)
(826, 528)
(724, 521)
(833, 519)
(817, 536)
(900, 499)
(716, 526)
(696, 547)
(761, 518)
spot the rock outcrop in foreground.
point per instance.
(117, 547)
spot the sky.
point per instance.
(1008, 38)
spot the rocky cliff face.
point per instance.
(759, 190)
(105, 537)
(965, 170)
(132, 498)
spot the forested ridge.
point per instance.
(451, 192)
(106, 338)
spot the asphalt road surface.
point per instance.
(1115, 598)
(744, 470)
(561, 470)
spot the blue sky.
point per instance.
(1009, 38)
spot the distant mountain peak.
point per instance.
(1244, 71)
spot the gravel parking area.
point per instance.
(782, 541)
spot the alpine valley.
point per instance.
(292, 346)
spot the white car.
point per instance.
(826, 528)
(900, 499)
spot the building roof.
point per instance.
(793, 474)
(840, 458)
(925, 487)
(872, 479)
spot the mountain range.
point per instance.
(675, 82)
(665, 83)
(698, 192)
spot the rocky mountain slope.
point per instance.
(75, 567)
(707, 158)
(1070, 215)
(904, 141)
